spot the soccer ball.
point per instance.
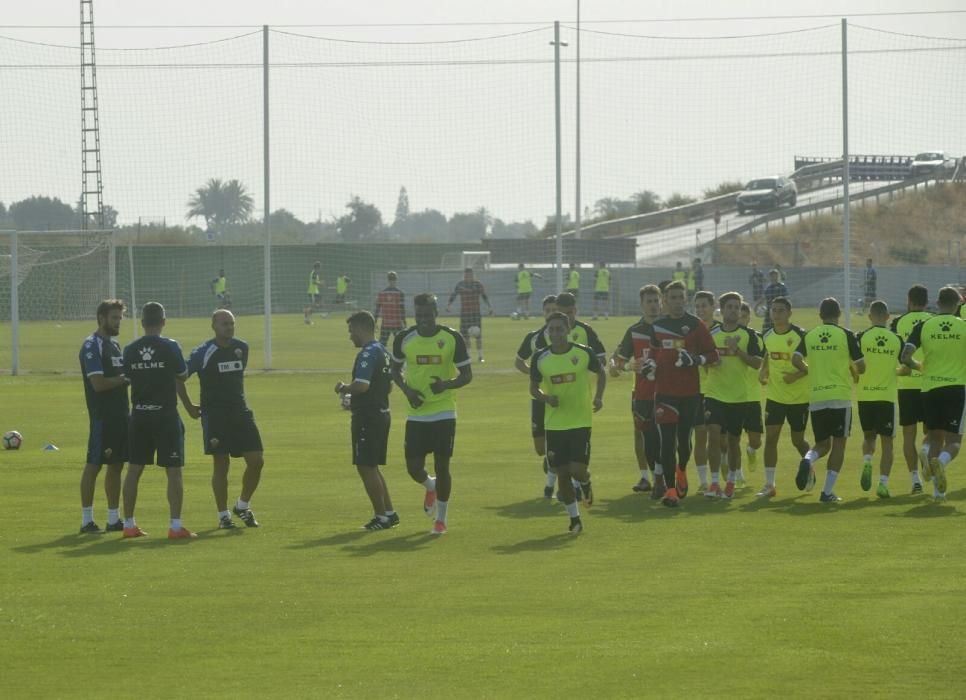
(514, 316)
(474, 331)
(12, 440)
(346, 401)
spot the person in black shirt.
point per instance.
(368, 394)
(105, 389)
(156, 369)
(228, 424)
(776, 288)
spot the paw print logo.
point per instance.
(147, 354)
(880, 341)
(824, 338)
(946, 326)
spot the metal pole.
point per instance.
(133, 307)
(578, 209)
(845, 175)
(267, 303)
(112, 266)
(556, 95)
(14, 307)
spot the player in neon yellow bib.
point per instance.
(436, 363)
(560, 378)
(525, 289)
(830, 350)
(573, 280)
(314, 292)
(601, 290)
(943, 342)
(786, 393)
(878, 392)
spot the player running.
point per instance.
(726, 395)
(391, 304)
(369, 393)
(634, 354)
(704, 305)
(105, 391)
(314, 291)
(682, 344)
(878, 393)
(436, 364)
(219, 287)
(470, 291)
(526, 351)
(228, 424)
(786, 392)
(831, 351)
(525, 289)
(752, 425)
(157, 370)
(560, 378)
(943, 342)
(911, 410)
(601, 290)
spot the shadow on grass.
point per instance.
(119, 545)
(533, 508)
(406, 543)
(930, 509)
(543, 544)
(61, 542)
(339, 538)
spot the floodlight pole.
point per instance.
(578, 208)
(14, 306)
(266, 197)
(556, 95)
(846, 242)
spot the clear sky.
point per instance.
(467, 124)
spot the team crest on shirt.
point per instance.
(440, 343)
(684, 330)
(90, 356)
(789, 341)
(238, 353)
(213, 442)
(574, 360)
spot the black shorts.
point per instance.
(153, 433)
(538, 410)
(315, 299)
(729, 416)
(230, 433)
(878, 417)
(567, 446)
(911, 410)
(796, 414)
(467, 321)
(575, 292)
(436, 437)
(671, 410)
(340, 298)
(643, 410)
(370, 438)
(601, 296)
(524, 296)
(385, 332)
(944, 408)
(107, 440)
(831, 423)
(701, 412)
(751, 417)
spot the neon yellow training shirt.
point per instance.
(566, 376)
(439, 355)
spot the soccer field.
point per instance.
(739, 599)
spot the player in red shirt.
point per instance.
(680, 343)
(634, 354)
(391, 303)
(470, 291)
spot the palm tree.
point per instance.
(221, 203)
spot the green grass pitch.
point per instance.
(715, 599)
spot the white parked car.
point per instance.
(929, 162)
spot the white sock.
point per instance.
(129, 522)
(924, 450)
(702, 473)
(724, 459)
(741, 473)
(866, 459)
(575, 484)
(441, 510)
(430, 484)
(223, 514)
(551, 479)
(658, 470)
(830, 478)
(750, 450)
(811, 456)
(716, 477)
(241, 505)
(113, 515)
(732, 474)
(87, 514)
(175, 523)
(389, 513)
(884, 479)
(382, 518)
(945, 458)
(572, 510)
(915, 477)
(645, 473)
(769, 476)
